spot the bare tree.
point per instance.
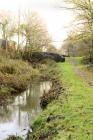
(83, 20)
(35, 32)
(7, 24)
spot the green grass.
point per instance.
(14, 138)
(78, 108)
(71, 115)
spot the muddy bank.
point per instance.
(53, 93)
(44, 127)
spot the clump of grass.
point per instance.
(14, 138)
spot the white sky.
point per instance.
(55, 18)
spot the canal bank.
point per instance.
(47, 125)
(51, 73)
(71, 115)
(15, 76)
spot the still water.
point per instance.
(16, 118)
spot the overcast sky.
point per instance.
(55, 18)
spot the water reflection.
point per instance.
(16, 118)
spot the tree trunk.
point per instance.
(91, 52)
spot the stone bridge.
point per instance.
(39, 56)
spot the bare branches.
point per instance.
(82, 28)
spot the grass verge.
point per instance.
(70, 117)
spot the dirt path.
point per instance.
(87, 77)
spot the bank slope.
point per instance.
(71, 115)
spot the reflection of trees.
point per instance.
(32, 99)
(25, 107)
(5, 113)
(32, 96)
(28, 106)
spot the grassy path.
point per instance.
(71, 116)
(78, 109)
(82, 70)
